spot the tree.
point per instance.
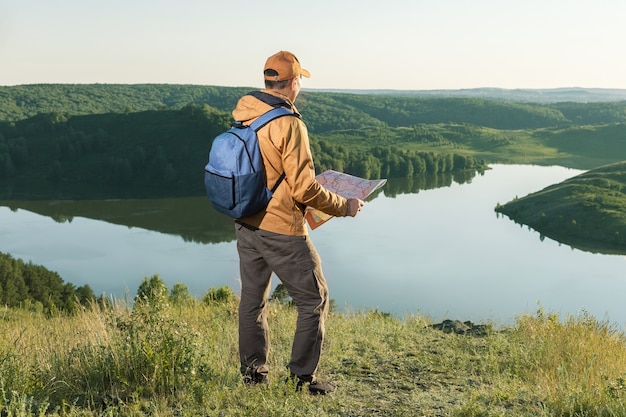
(14, 290)
(152, 290)
(180, 294)
(85, 294)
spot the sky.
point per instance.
(345, 44)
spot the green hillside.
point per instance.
(25, 101)
(595, 142)
(324, 110)
(587, 211)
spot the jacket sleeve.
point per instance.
(300, 173)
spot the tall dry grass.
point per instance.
(161, 358)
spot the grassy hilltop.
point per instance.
(174, 355)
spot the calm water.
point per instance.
(442, 252)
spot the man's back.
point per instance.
(285, 147)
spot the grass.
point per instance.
(163, 359)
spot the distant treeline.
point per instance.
(26, 101)
(35, 287)
(323, 111)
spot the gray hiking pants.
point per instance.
(298, 266)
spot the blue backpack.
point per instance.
(235, 174)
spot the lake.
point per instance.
(442, 252)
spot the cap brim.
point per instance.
(305, 73)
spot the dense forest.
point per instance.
(36, 288)
(134, 141)
(161, 153)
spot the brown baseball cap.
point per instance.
(283, 66)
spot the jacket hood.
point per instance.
(249, 107)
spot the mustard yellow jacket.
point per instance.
(285, 147)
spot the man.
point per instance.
(276, 239)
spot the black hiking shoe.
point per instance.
(315, 386)
(251, 376)
(255, 379)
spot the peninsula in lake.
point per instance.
(587, 211)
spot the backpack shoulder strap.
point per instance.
(265, 119)
(280, 108)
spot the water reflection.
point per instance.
(440, 251)
(586, 245)
(192, 218)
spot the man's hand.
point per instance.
(354, 206)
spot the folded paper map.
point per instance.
(345, 185)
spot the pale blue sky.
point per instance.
(393, 44)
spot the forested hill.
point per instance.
(323, 111)
(161, 153)
(130, 141)
(24, 101)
